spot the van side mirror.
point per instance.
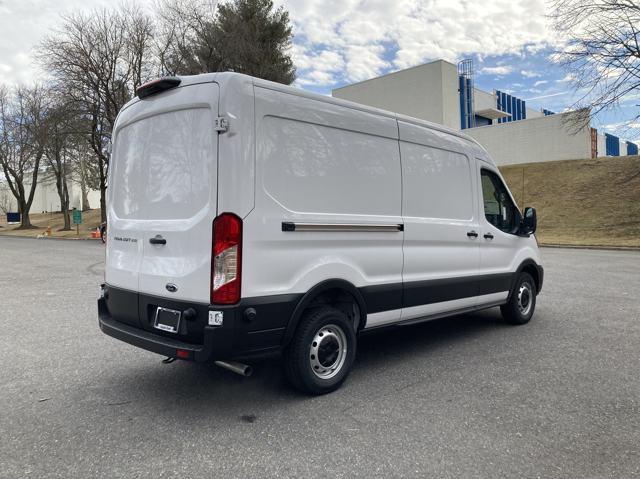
(529, 222)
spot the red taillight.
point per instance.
(182, 354)
(226, 262)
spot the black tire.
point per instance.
(522, 303)
(299, 358)
(103, 234)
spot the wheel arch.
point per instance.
(531, 267)
(320, 294)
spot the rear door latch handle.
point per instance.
(472, 234)
(157, 240)
(488, 236)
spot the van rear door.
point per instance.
(162, 194)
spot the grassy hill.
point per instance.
(581, 202)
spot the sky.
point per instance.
(337, 42)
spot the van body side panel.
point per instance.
(441, 262)
(329, 166)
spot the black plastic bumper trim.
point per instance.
(149, 341)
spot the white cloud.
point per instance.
(321, 68)
(569, 77)
(379, 35)
(364, 61)
(529, 74)
(24, 23)
(499, 70)
(336, 40)
(540, 82)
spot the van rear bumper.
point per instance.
(125, 315)
(160, 344)
(151, 342)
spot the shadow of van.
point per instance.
(193, 390)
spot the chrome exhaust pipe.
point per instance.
(238, 368)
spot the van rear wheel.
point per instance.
(522, 302)
(322, 351)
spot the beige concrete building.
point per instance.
(429, 92)
(45, 198)
(512, 132)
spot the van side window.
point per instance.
(498, 207)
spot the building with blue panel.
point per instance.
(444, 93)
(612, 145)
(515, 107)
(632, 148)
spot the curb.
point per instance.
(49, 238)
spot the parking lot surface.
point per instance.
(461, 397)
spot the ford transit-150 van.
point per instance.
(249, 219)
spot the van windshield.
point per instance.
(164, 166)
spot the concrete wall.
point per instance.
(450, 95)
(46, 199)
(602, 145)
(483, 100)
(531, 113)
(429, 92)
(532, 140)
(623, 148)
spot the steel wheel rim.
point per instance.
(328, 351)
(525, 298)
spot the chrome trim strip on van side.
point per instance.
(341, 227)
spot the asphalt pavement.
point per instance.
(467, 396)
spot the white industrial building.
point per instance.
(512, 132)
(46, 198)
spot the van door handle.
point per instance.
(472, 234)
(488, 236)
(158, 240)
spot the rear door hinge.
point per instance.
(221, 124)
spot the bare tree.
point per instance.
(22, 139)
(81, 174)
(182, 35)
(98, 59)
(602, 53)
(58, 150)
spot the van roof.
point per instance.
(225, 79)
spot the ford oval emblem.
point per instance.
(172, 288)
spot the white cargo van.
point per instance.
(248, 219)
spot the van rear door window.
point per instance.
(164, 165)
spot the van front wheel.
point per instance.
(522, 302)
(322, 351)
